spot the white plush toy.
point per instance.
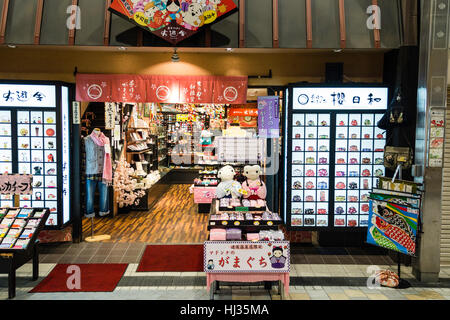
(228, 187)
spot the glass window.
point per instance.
(292, 23)
(54, 22)
(123, 32)
(225, 33)
(258, 23)
(21, 21)
(390, 23)
(357, 33)
(92, 23)
(325, 23)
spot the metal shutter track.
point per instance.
(445, 230)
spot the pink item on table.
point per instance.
(252, 236)
(218, 235)
(204, 194)
(235, 203)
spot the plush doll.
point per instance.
(228, 188)
(256, 189)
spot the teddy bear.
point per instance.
(228, 188)
(256, 189)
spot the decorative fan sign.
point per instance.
(173, 20)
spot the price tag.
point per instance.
(224, 223)
(269, 223)
(236, 223)
(107, 148)
(256, 223)
(212, 223)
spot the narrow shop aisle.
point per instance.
(173, 219)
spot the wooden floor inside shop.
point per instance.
(172, 219)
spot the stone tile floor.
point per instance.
(326, 279)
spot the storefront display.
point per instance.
(35, 131)
(333, 154)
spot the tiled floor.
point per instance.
(316, 274)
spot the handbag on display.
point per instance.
(393, 156)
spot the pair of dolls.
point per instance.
(253, 188)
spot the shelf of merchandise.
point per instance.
(246, 225)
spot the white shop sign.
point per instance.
(315, 98)
(25, 95)
(246, 256)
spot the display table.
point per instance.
(19, 230)
(283, 279)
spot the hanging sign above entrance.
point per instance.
(173, 20)
(162, 89)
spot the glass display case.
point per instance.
(333, 155)
(35, 139)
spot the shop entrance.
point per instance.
(158, 152)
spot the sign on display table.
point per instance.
(247, 261)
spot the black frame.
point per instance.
(287, 146)
(74, 175)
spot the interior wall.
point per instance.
(39, 63)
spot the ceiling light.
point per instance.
(175, 56)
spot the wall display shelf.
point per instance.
(333, 156)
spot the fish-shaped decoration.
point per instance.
(381, 240)
(396, 234)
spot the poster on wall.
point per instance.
(173, 20)
(244, 256)
(393, 226)
(437, 127)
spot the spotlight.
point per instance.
(175, 57)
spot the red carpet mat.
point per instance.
(82, 278)
(172, 258)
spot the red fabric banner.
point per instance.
(162, 89)
(196, 90)
(230, 90)
(93, 88)
(128, 88)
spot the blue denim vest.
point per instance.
(95, 156)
